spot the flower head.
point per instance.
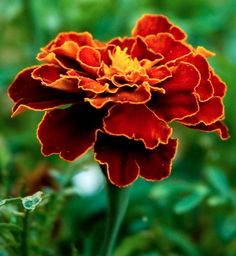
(122, 97)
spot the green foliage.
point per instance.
(191, 213)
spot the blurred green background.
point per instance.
(191, 213)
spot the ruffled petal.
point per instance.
(156, 164)
(141, 51)
(69, 132)
(209, 112)
(204, 89)
(55, 77)
(218, 85)
(91, 85)
(28, 93)
(123, 43)
(89, 59)
(137, 122)
(118, 154)
(156, 75)
(60, 60)
(126, 159)
(80, 39)
(155, 24)
(179, 101)
(87, 84)
(219, 127)
(139, 95)
(167, 46)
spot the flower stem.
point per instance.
(117, 204)
(24, 238)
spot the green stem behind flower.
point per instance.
(117, 204)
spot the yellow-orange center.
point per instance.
(122, 62)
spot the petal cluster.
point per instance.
(120, 97)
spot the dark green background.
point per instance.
(191, 213)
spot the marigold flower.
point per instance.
(121, 96)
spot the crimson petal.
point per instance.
(140, 51)
(167, 46)
(210, 111)
(139, 95)
(179, 101)
(154, 24)
(126, 159)
(156, 164)
(218, 85)
(69, 132)
(219, 127)
(55, 77)
(205, 88)
(118, 154)
(137, 122)
(89, 59)
(28, 93)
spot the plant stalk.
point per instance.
(117, 200)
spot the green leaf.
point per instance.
(216, 201)
(30, 202)
(227, 228)
(218, 180)
(188, 203)
(9, 226)
(2, 202)
(179, 239)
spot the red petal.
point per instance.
(80, 39)
(210, 111)
(89, 84)
(137, 122)
(167, 46)
(205, 88)
(139, 95)
(89, 59)
(48, 73)
(68, 49)
(158, 74)
(156, 164)
(179, 101)
(118, 154)
(29, 93)
(154, 24)
(125, 159)
(140, 51)
(219, 127)
(218, 85)
(64, 49)
(60, 60)
(69, 132)
(104, 52)
(126, 42)
(55, 77)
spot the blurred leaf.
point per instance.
(131, 245)
(216, 201)
(189, 202)
(218, 180)
(2, 202)
(227, 228)
(9, 226)
(9, 11)
(30, 202)
(181, 240)
(170, 188)
(3, 253)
